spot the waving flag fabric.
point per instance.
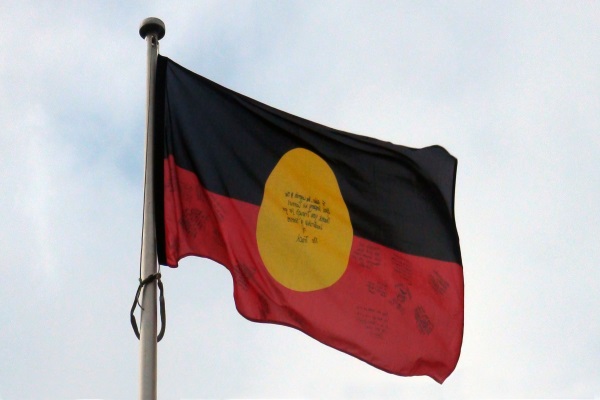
(349, 239)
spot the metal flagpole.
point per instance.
(152, 30)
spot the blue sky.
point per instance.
(512, 89)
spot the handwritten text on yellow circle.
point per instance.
(304, 233)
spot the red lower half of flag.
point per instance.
(401, 313)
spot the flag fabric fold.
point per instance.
(349, 239)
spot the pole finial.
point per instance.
(152, 25)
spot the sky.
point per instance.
(511, 89)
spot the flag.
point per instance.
(349, 239)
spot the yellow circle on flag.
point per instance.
(304, 233)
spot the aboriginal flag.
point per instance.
(349, 239)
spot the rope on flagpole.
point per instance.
(136, 303)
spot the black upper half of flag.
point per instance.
(397, 196)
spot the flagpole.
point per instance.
(151, 30)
